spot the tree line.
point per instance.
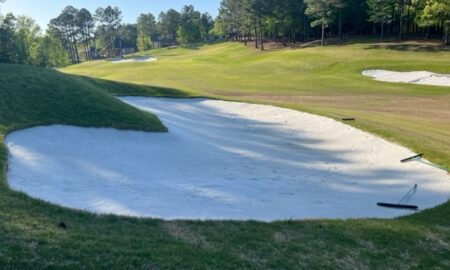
(104, 34)
(301, 20)
(21, 41)
(78, 35)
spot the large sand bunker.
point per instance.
(221, 160)
(417, 77)
(140, 59)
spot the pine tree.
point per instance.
(322, 11)
(380, 12)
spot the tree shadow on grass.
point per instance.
(419, 47)
(192, 46)
(197, 46)
(129, 89)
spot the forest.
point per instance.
(81, 35)
(291, 21)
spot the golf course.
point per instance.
(325, 81)
(225, 134)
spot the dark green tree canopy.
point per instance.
(77, 34)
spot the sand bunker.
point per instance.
(134, 59)
(221, 160)
(417, 77)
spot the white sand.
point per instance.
(134, 59)
(417, 77)
(221, 160)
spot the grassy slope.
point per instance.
(326, 81)
(30, 97)
(31, 239)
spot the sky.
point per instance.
(43, 11)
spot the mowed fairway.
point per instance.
(326, 81)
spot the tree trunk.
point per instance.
(256, 37)
(69, 43)
(70, 50)
(340, 23)
(85, 51)
(76, 51)
(261, 35)
(323, 34)
(294, 36)
(304, 28)
(143, 41)
(408, 22)
(88, 44)
(111, 37)
(307, 33)
(274, 34)
(400, 36)
(382, 30)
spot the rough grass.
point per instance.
(31, 239)
(325, 81)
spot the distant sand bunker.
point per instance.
(417, 77)
(134, 59)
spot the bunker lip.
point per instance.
(416, 77)
(221, 161)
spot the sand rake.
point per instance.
(419, 158)
(402, 204)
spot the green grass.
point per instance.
(31, 239)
